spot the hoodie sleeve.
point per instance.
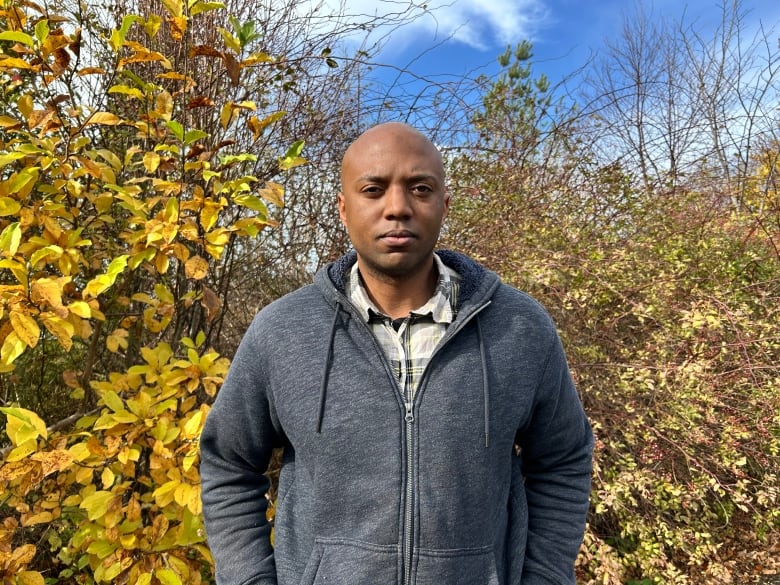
(235, 449)
(557, 453)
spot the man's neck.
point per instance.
(397, 297)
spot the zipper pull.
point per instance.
(409, 414)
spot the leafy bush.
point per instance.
(123, 192)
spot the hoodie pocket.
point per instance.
(340, 561)
(456, 566)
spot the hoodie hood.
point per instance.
(477, 282)
(474, 279)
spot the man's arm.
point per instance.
(235, 447)
(557, 454)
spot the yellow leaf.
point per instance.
(90, 71)
(117, 339)
(10, 238)
(23, 425)
(175, 7)
(23, 450)
(151, 161)
(80, 309)
(196, 268)
(39, 518)
(103, 282)
(164, 105)
(17, 37)
(84, 475)
(107, 478)
(164, 293)
(256, 58)
(164, 494)
(227, 114)
(152, 26)
(167, 577)
(11, 470)
(97, 504)
(231, 41)
(14, 63)
(26, 328)
(113, 401)
(104, 118)
(29, 578)
(8, 122)
(61, 329)
(53, 461)
(46, 290)
(193, 425)
(9, 206)
(12, 348)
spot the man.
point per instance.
(431, 431)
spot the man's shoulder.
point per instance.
(303, 304)
(514, 307)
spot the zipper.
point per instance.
(409, 511)
(408, 536)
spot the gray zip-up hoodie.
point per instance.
(483, 479)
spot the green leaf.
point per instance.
(10, 238)
(167, 577)
(42, 30)
(198, 7)
(250, 201)
(193, 136)
(177, 129)
(97, 504)
(231, 41)
(23, 425)
(17, 37)
(9, 206)
(292, 157)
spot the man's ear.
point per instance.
(342, 213)
(446, 204)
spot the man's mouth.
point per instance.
(397, 237)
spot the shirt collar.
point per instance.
(441, 306)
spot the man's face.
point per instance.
(393, 201)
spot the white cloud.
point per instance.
(479, 24)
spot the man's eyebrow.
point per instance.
(376, 178)
(370, 178)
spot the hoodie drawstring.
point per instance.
(326, 372)
(329, 362)
(485, 384)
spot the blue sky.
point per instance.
(460, 36)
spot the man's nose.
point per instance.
(397, 203)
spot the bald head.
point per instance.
(385, 136)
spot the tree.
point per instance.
(679, 105)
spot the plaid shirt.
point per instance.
(408, 343)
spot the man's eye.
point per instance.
(422, 189)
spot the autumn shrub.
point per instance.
(667, 302)
(668, 307)
(119, 210)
